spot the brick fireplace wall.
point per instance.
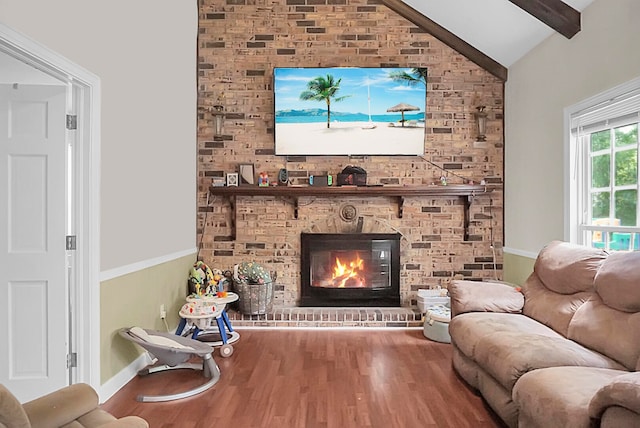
(241, 41)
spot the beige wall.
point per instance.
(555, 75)
(134, 300)
(144, 52)
(517, 268)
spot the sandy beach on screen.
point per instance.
(355, 138)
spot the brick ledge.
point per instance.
(330, 317)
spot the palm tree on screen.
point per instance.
(323, 89)
(416, 77)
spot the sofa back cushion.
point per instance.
(567, 268)
(610, 321)
(552, 309)
(618, 281)
(608, 331)
(562, 280)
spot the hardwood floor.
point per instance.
(317, 378)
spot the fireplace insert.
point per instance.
(350, 269)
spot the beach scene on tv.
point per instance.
(349, 111)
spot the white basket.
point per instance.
(432, 292)
(432, 297)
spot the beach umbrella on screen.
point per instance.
(402, 107)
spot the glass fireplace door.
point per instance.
(350, 269)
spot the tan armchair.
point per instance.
(72, 406)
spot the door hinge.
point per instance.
(72, 122)
(71, 242)
(72, 360)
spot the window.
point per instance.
(603, 146)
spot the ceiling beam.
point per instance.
(446, 37)
(555, 13)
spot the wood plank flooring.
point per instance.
(329, 378)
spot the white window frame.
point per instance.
(577, 207)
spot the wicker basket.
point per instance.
(254, 299)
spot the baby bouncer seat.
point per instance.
(173, 352)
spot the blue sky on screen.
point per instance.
(385, 93)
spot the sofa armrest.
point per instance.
(475, 296)
(12, 413)
(623, 391)
(127, 422)
(62, 406)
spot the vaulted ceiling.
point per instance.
(493, 33)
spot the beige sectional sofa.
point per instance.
(74, 406)
(561, 352)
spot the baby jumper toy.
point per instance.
(207, 302)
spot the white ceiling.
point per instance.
(497, 28)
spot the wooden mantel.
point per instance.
(464, 191)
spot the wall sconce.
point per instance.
(481, 119)
(218, 118)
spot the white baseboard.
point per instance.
(520, 253)
(113, 385)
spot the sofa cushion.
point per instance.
(618, 281)
(508, 355)
(467, 330)
(559, 396)
(550, 308)
(568, 268)
(608, 331)
(475, 296)
(509, 345)
(96, 418)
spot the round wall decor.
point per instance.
(348, 212)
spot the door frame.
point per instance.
(83, 99)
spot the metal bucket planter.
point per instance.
(254, 299)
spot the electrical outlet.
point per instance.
(163, 312)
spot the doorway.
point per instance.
(79, 246)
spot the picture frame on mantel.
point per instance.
(247, 174)
(232, 179)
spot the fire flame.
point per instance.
(349, 271)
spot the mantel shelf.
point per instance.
(292, 191)
(464, 191)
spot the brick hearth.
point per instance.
(330, 317)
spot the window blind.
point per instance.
(618, 111)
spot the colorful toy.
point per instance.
(263, 179)
(200, 279)
(220, 283)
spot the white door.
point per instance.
(33, 283)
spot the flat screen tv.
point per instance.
(349, 111)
